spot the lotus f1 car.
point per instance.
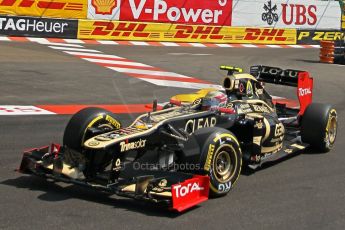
(195, 146)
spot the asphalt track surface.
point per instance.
(303, 192)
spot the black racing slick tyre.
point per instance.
(78, 129)
(220, 158)
(319, 126)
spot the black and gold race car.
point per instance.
(193, 147)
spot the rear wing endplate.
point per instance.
(289, 77)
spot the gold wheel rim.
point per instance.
(332, 130)
(223, 166)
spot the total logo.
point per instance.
(303, 92)
(182, 191)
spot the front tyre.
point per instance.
(319, 126)
(80, 126)
(221, 159)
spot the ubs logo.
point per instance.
(269, 15)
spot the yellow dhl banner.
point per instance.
(137, 31)
(45, 8)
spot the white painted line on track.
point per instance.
(274, 46)
(169, 44)
(140, 43)
(147, 72)
(93, 55)
(75, 41)
(62, 44)
(191, 54)
(74, 49)
(179, 84)
(197, 45)
(22, 110)
(249, 46)
(129, 63)
(224, 45)
(39, 40)
(44, 41)
(105, 42)
(295, 46)
(4, 38)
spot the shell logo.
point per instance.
(104, 6)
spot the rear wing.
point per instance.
(275, 75)
(296, 78)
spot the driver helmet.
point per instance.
(213, 99)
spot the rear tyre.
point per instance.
(78, 128)
(319, 126)
(220, 158)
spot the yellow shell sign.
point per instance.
(104, 6)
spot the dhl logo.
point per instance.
(198, 32)
(255, 34)
(128, 29)
(116, 30)
(53, 5)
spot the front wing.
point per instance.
(174, 190)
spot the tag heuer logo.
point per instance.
(104, 6)
(269, 15)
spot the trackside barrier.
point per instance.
(327, 52)
(164, 32)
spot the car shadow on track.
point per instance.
(246, 171)
(336, 61)
(308, 61)
(58, 192)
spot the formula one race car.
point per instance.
(195, 145)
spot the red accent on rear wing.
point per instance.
(190, 192)
(304, 91)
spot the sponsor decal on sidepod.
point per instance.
(132, 145)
